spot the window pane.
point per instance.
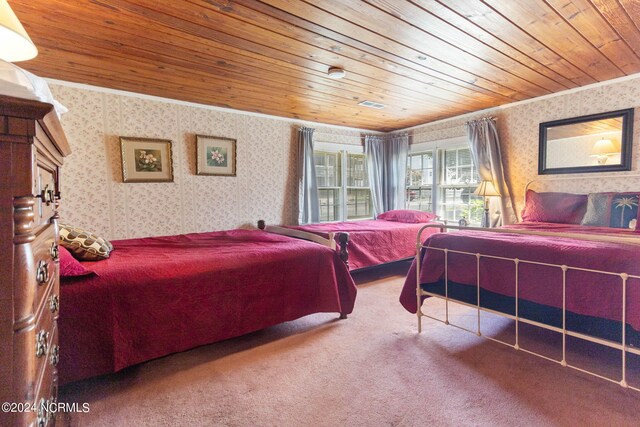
(357, 171)
(359, 203)
(464, 157)
(329, 200)
(419, 181)
(457, 184)
(328, 171)
(419, 198)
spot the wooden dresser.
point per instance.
(32, 147)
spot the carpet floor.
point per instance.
(372, 369)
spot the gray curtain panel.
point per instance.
(485, 150)
(308, 207)
(374, 151)
(387, 169)
(396, 170)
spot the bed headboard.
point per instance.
(580, 184)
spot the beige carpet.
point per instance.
(372, 369)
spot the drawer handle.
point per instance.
(47, 196)
(42, 273)
(54, 251)
(41, 343)
(54, 303)
(54, 357)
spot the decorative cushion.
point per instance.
(624, 209)
(566, 208)
(598, 210)
(407, 215)
(84, 245)
(69, 266)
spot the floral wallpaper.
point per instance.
(518, 129)
(94, 196)
(265, 187)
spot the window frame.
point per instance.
(437, 147)
(343, 150)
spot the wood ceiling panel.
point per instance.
(546, 25)
(423, 59)
(593, 27)
(620, 21)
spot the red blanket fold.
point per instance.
(373, 242)
(588, 293)
(161, 295)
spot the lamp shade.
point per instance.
(15, 44)
(603, 147)
(486, 188)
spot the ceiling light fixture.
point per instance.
(15, 44)
(336, 72)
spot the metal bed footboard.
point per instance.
(624, 277)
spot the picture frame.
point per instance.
(146, 159)
(215, 156)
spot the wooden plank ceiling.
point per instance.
(423, 59)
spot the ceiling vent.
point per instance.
(371, 104)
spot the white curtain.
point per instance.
(485, 150)
(308, 207)
(387, 168)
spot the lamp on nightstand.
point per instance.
(15, 44)
(486, 189)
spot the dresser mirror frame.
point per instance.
(626, 143)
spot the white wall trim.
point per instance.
(337, 146)
(456, 141)
(524, 101)
(205, 106)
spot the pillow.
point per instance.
(624, 209)
(69, 266)
(564, 208)
(84, 245)
(407, 215)
(598, 210)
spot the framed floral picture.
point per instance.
(146, 160)
(215, 156)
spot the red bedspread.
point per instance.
(372, 242)
(161, 295)
(588, 293)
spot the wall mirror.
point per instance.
(595, 143)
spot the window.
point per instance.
(442, 180)
(340, 202)
(329, 177)
(420, 181)
(458, 180)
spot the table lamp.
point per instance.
(486, 189)
(15, 44)
(602, 149)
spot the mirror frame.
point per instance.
(626, 143)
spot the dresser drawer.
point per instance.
(46, 263)
(46, 349)
(36, 269)
(47, 392)
(45, 190)
(35, 349)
